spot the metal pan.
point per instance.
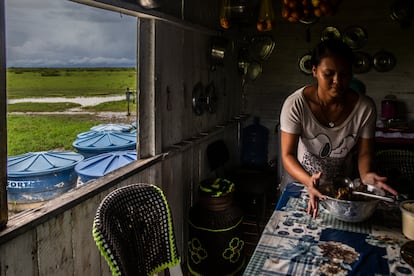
(362, 62)
(384, 61)
(305, 65)
(330, 32)
(355, 37)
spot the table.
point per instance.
(293, 243)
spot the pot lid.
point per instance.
(330, 32)
(355, 37)
(102, 164)
(254, 70)
(39, 163)
(362, 62)
(114, 127)
(305, 65)
(105, 140)
(384, 61)
(263, 46)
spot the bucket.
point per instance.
(407, 213)
(215, 246)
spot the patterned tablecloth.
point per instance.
(293, 243)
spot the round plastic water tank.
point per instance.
(98, 142)
(102, 164)
(41, 176)
(113, 127)
(106, 127)
(255, 145)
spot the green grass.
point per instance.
(40, 107)
(33, 133)
(68, 82)
(27, 133)
(116, 106)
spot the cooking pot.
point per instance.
(218, 50)
(384, 61)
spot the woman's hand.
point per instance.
(314, 195)
(374, 179)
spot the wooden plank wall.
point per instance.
(61, 243)
(281, 74)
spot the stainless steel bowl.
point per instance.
(349, 211)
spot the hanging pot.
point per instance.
(305, 65)
(355, 37)
(262, 46)
(218, 50)
(362, 62)
(384, 61)
(330, 32)
(254, 70)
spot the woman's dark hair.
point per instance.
(331, 47)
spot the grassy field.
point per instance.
(39, 132)
(68, 82)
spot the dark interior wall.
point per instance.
(281, 74)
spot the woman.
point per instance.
(324, 124)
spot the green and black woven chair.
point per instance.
(133, 230)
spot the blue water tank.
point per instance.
(113, 127)
(97, 142)
(255, 139)
(40, 176)
(104, 163)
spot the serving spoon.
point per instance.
(346, 182)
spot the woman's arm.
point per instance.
(289, 145)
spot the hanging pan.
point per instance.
(305, 64)
(362, 62)
(384, 61)
(262, 46)
(330, 32)
(355, 37)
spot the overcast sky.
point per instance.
(61, 33)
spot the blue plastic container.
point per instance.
(102, 164)
(98, 142)
(106, 127)
(255, 139)
(113, 127)
(41, 176)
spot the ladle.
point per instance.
(346, 182)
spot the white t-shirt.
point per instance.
(321, 148)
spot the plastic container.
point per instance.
(407, 213)
(40, 176)
(255, 145)
(97, 142)
(102, 164)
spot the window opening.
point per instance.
(71, 72)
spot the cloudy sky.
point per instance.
(61, 33)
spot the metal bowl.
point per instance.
(349, 211)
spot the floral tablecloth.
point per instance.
(293, 243)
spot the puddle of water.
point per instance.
(83, 101)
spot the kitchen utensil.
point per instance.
(330, 32)
(373, 192)
(407, 252)
(349, 211)
(254, 70)
(355, 37)
(384, 61)
(305, 65)
(362, 62)
(198, 99)
(262, 46)
(150, 4)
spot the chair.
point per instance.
(252, 184)
(398, 166)
(133, 230)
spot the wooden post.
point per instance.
(3, 120)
